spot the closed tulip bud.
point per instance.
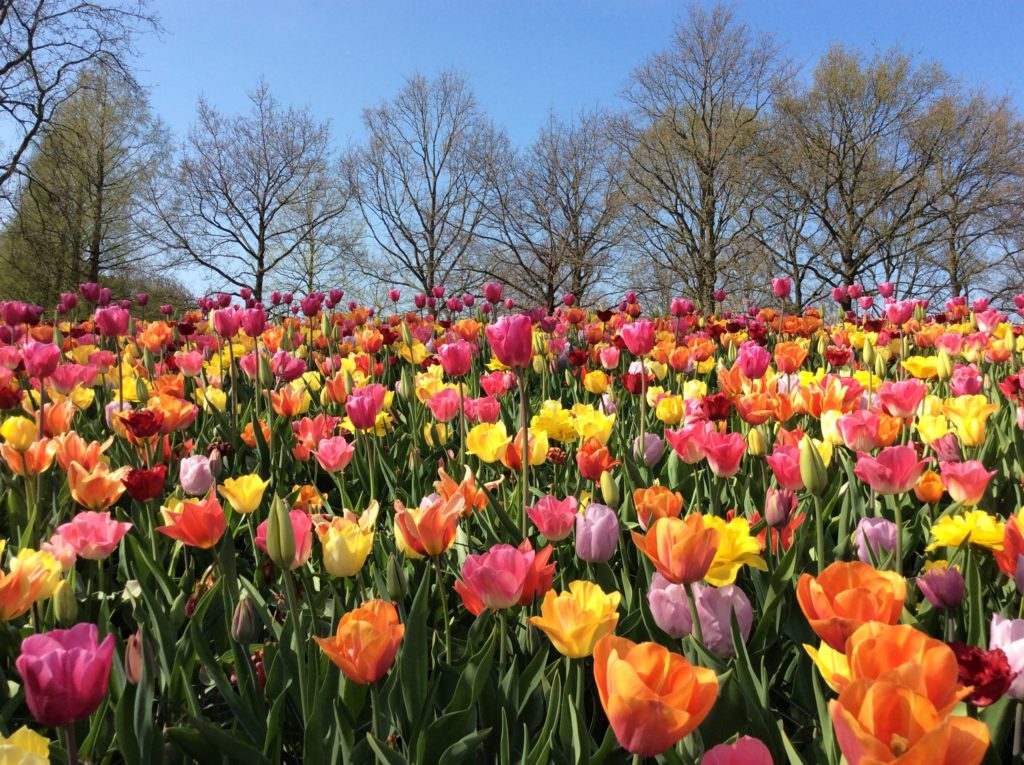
(280, 536)
(868, 352)
(779, 506)
(812, 467)
(245, 625)
(266, 374)
(65, 605)
(325, 326)
(731, 354)
(822, 345)
(880, 365)
(147, 360)
(394, 579)
(1009, 342)
(944, 365)
(609, 490)
(216, 463)
(756, 444)
(133, 657)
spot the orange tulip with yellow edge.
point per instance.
(656, 502)
(366, 642)
(847, 595)
(429, 529)
(96, 489)
(681, 549)
(71, 447)
(883, 721)
(576, 619)
(33, 461)
(653, 698)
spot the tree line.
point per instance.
(725, 165)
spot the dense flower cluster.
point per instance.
(517, 534)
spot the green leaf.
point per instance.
(463, 749)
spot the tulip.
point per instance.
(244, 493)
(511, 340)
(347, 541)
(653, 698)
(753, 360)
(969, 414)
(195, 475)
(93, 535)
(41, 359)
(813, 472)
(745, 751)
(716, 608)
(845, 596)
(456, 358)
(885, 721)
(652, 449)
(682, 550)
(364, 404)
(594, 459)
(494, 579)
(638, 336)
(19, 432)
(366, 642)
(988, 673)
(228, 321)
(25, 747)
(575, 620)
(901, 399)
(875, 538)
(781, 287)
(1008, 635)
(779, 506)
(860, 430)
(597, 533)
(429, 530)
(966, 482)
(195, 524)
(785, 465)
(65, 673)
(553, 517)
(723, 452)
(301, 527)
(670, 607)
(333, 454)
(894, 471)
(112, 322)
(929, 487)
(656, 502)
(96, 489)
(942, 586)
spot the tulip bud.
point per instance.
(880, 365)
(133, 657)
(812, 467)
(395, 581)
(245, 625)
(756, 444)
(280, 535)
(944, 365)
(731, 353)
(919, 313)
(325, 327)
(779, 505)
(822, 345)
(147, 360)
(216, 463)
(868, 352)
(266, 374)
(1009, 341)
(609, 490)
(65, 605)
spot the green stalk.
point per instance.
(444, 611)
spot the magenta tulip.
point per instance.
(511, 340)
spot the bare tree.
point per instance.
(44, 46)
(695, 112)
(421, 179)
(862, 141)
(247, 192)
(555, 216)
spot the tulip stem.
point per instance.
(502, 629)
(899, 538)
(444, 612)
(293, 610)
(524, 422)
(1018, 723)
(819, 533)
(70, 744)
(697, 631)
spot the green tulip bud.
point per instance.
(280, 535)
(395, 581)
(812, 468)
(867, 352)
(881, 367)
(609, 490)
(266, 375)
(945, 365)
(65, 605)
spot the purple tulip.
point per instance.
(195, 475)
(715, 607)
(942, 586)
(670, 608)
(597, 533)
(874, 537)
(653, 448)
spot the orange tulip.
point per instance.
(33, 461)
(289, 401)
(71, 447)
(57, 417)
(593, 459)
(846, 595)
(196, 524)
(366, 642)
(929, 487)
(789, 357)
(249, 434)
(475, 497)
(653, 698)
(907, 656)
(178, 413)
(96, 489)
(881, 721)
(430, 528)
(681, 550)
(656, 502)
(1013, 546)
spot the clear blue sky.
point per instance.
(524, 57)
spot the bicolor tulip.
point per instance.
(429, 530)
(96, 489)
(576, 619)
(894, 471)
(966, 482)
(195, 523)
(682, 550)
(366, 642)
(347, 540)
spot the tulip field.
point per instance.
(461, 531)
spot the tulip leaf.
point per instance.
(412, 667)
(385, 753)
(539, 751)
(463, 749)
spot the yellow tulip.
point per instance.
(975, 526)
(736, 548)
(24, 747)
(347, 541)
(19, 432)
(488, 441)
(244, 493)
(575, 620)
(969, 414)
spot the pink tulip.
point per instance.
(483, 409)
(254, 321)
(554, 518)
(785, 465)
(65, 673)
(456, 358)
(112, 321)
(609, 357)
(859, 430)
(781, 287)
(93, 535)
(901, 399)
(746, 751)
(638, 336)
(41, 359)
(966, 380)
(966, 482)
(839, 294)
(688, 442)
(753, 360)
(894, 471)
(444, 404)
(302, 529)
(227, 321)
(511, 339)
(724, 452)
(334, 453)
(363, 405)
(886, 289)
(899, 312)
(493, 292)
(195, 475)
(495, 579)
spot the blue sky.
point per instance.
(524, 57)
